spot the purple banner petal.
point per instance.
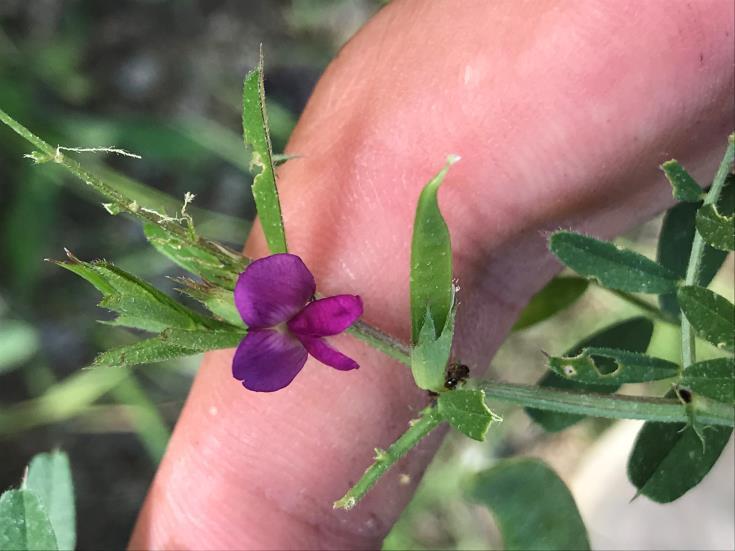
(322, 351)
(268, 360)
(328, 316)
(273, 289)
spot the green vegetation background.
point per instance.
(163, 79)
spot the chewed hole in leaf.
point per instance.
(569, 371)
(605, 365)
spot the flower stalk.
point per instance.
(385, 459)
(688, 351)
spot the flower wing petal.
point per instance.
(328, 316)
(273, 289)
(268, 360)
(322, 351)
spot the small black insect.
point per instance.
(685, 394)
(456, 373)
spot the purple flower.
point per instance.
(274, 298)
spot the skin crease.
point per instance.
(561, 112)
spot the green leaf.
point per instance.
(711, 315)
(194, 259)
(675, 247)
(532, 506)
(147, 351)
(717, 230)
(592, 366)
(467, 412)
(120, 199)
(49, 477)
(712, 378)
(138, 304)
(203, 341)
(670, 459)
(257, 137)
(634, 334)
(558, 294)
(611, 266)
(24, 524)
(430, 356)
(18, 344)
(170, 344)
(431, 260)
(684, 187)
(219, 301)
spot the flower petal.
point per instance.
(320, 349)
(268, 360)
(327, 316)
(273, 289)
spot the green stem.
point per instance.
(385, 459)
(610, 406)
(644, 305)
(688, 352)
(382, 341)
(123, 203)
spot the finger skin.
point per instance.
(561, 112)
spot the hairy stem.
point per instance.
(382, 341)
(610, 406)
(651, 310)
(48, 153)
(385, 459)
(688, 352)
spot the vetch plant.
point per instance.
(267, 309)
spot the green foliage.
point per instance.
(41, 514)
(712, 378)
(194, 259)
(61, 401)
(675, 247)
(18, 343)
(430, 356)
(592, 365)
(417, 430)
(170, 344)
(711, 315)
(683, 186)
(257, 137)
(49, 477)
(431, 260)
(147, 351)
(633, 334)
(670, 459)
(716, 229)
(532, 506)
(24, 523)
(218, 301)
(119, 200)
(204, 340)
(611, 266)
(466, 411)
(138, 304)
(432, 289)
(557, 295)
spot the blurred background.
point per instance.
(163, 79)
